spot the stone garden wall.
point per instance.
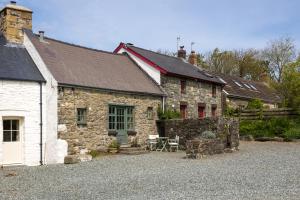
(190, 133)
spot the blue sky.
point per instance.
(155, 24)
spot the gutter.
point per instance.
(41, 123)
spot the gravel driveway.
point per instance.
(257, 171)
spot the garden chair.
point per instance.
(152, 141)
(174, 143)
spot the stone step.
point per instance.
(132, 150)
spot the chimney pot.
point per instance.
(41, 35)
(13, 2)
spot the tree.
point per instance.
(250, 66)
(222, 62)
(278, 54)
(289, 87)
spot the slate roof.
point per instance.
(175, 65)
(16, 63)
(80, 66)
(248, 89)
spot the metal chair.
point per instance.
(152, 141)
(174, 143)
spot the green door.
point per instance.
(122, 136)
(121, 121)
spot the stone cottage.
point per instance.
(193, 92)
(28, 134)
(101, 95)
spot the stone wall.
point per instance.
(226, 129)
(95, 134)
(12, 22)
(196, 92)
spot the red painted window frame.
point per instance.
(201, 112)
(183, 111)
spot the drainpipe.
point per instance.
(41, 123)
(163, 104)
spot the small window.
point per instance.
(183, 86)
(183, 111)
(238, 84)
(214, 91)
(81, 116)
(253, 87)
(11, 131)
(150, 113)
(201, 111)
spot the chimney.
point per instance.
(13, 18)
(41, 36)
(181, 53)
(193, 58)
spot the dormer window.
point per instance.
(183, 87)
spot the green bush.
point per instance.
(208, 135)
(275, 127)
(229, 111)
(168, 114)
(255, 104)
(94, 153)
(114, 144)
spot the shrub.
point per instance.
(94, 153)
(229, 111)
(168, 114)
(255, 104)
(293, 133)
(280, 127)
(208, 135)
(114, 144)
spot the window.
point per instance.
(150, 113)
(253, 87)
(238, 84)
(201, 111)
(183, 86)
(247, 86)
(81, 116)
(213, 110)
(120, 118)
(222, 80)
(11, 131)
(183, 111)
(214, 91)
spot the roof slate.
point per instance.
(80, 66)
(16, 63)
(263, 92)
(174, 65)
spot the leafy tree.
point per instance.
(255, 104)
(289, 87)
(278, 54)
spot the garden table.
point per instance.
(162, 142)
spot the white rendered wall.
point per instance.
(22, 100)
(55, 149)
(151, 71)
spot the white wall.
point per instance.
(22, 99)
(154, 73)
(55, 149)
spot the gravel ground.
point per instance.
(258, 171)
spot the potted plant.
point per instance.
(113, 147)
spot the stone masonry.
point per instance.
(196, 92)
(95, 135)
(12, 21)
